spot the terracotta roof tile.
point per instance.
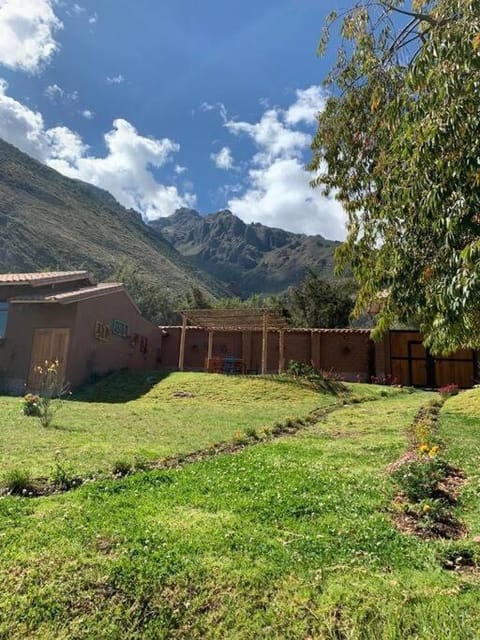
(40, 278)
(67, 297)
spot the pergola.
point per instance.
(217, 320)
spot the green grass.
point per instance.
(96, 430)
(460, 429)
(287, 539)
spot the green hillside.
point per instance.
(49, 221)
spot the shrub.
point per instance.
(121, 468)
(419, 480)
(448, 390)
(251, 432)
(18, 482)
(62, 475)
(320, 380)
(31, 405)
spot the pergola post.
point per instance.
(210, 349)
(181, 355)
(264, 343)
(281, 351)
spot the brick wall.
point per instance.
(350, 353)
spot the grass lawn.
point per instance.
(95, 429)
(286, 539)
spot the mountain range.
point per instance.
(248, 258)
(51, 222)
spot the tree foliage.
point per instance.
(318, 303)
(399, 144)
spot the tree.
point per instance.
(399, 144)
(317, 303)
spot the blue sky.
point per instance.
(204, 104)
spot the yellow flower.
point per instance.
(426, 508)
(424, 448)
(433, 451)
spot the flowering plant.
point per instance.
(31, 405)
(448, 390)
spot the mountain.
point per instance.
(249, 258)
(49, 221)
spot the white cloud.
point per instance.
(27, 30)
(55, 93)
(179, 169)
(308, 103)
(93, 18)
(278, 191)
(89, 115)
(280, 195)
(78, 9)
(218, 106)
(223, 159)
(115, 79)
(127, 169)
(271, 136)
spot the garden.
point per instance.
(264, 507)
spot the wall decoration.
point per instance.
(134, 340)
(143, 344)
(102, 331)
(120, 328)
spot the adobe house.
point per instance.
(90, 328)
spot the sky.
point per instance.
(167, 104)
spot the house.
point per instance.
(89, 328)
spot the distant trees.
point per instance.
(315, 303)
(318, 303)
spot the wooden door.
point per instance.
(48, 345)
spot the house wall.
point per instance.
(88, 355)
(16, 347)
(351, 355)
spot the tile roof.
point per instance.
(44, 278)
(68, 297)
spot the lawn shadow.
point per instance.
(320, 384)
(120, 386)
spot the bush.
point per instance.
(251, 432)
(62, 475)
(320, 380)
(448, 390)
(121, 468)
(31, 405)
(419, 480)
(18, 482)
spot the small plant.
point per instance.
(121, 468)
(51, 391)
(62, 476)
(251, 433)
(18, 482)
(318, 379)
(419, 480)
(31, 405)
(387, 380)
(448, 390)
(240, 438)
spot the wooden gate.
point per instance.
(48, 345)
(412, 365)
